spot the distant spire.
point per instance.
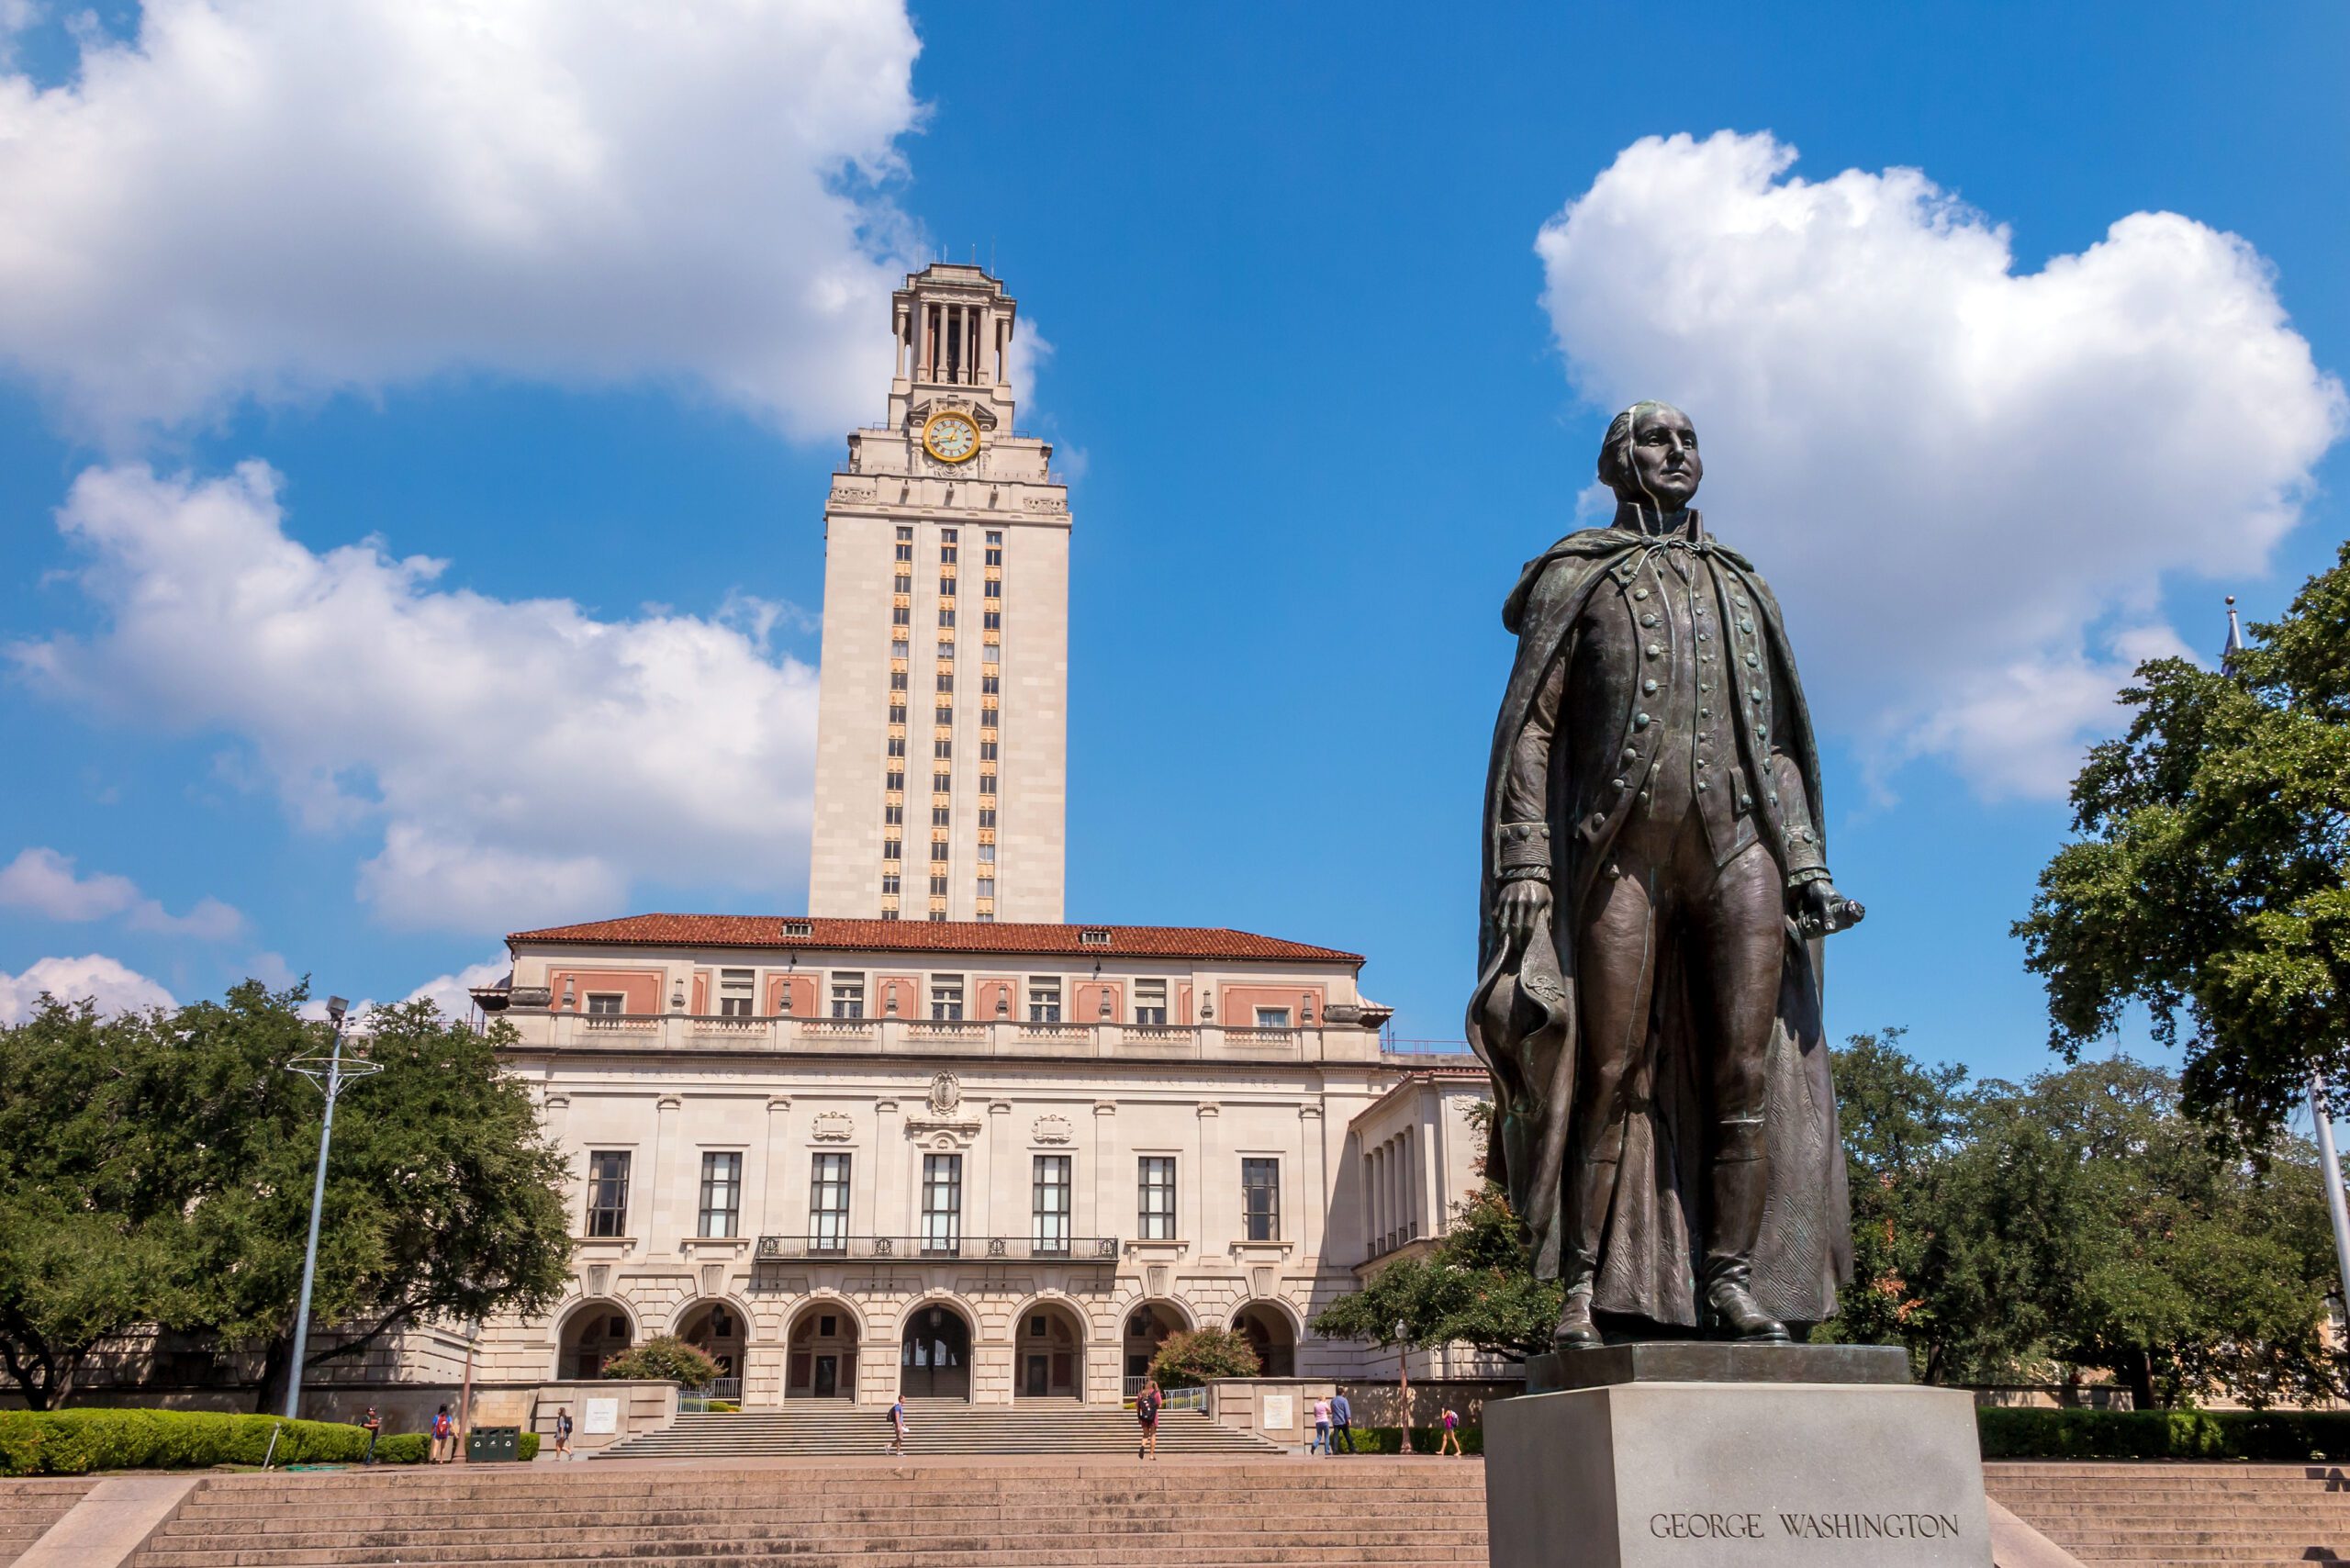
(2235, 638)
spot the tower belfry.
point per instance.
(941, 713)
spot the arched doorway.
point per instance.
(820, 1355)
(934, 1358)
(1266, 1329)
(1146, 1326)
(716, 1328)
(593, 1334)
(1048, 1353)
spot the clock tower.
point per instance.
(942, 711)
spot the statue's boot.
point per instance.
(1741, 1182)
(1588, 1195)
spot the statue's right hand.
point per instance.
(1521, 905)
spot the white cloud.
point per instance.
(115, 987)
(454, 993)
(525, 760)
(45, 882)
(283, 199)
(1967, 484)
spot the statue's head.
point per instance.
(1651, 457)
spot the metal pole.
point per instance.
(311, 1254)
(1404, 1381)
(2334, 1201)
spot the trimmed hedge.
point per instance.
(74, 1442)
(2163, 1434)
(1389, 1439)
(404, 1447)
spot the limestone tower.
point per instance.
(942, 711)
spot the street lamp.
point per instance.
(1404, 1381)
(329, 1073)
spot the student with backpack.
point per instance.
(444, 1437)
(1451, 1444)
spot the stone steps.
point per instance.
(29, 1508)
(2182, 1515)
(813, 1427)
(1074, 1513)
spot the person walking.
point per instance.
(1451, 1442)
(1321, 1426)
(444, 1437)
(1342, 1424)
(897, 1425)
(374, 1427)
(1148, 1405)
(563, 1434)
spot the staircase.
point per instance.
(2183, 1515)
(1395, 1513)
(29, 1508)
(836, 1426)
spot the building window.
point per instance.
(990, 686)
(848, 995)
(722, 1194)
(888, 881)
(896, 745)
(946, 586)
(943, 713)
(897, 713)
(987, 816)
(889, 848)
(895, 778)
(1272, 1017)
(898, 646)
(987, 783)
(897, 681)
(940, 816)
(1045, 1000)
(942, 749)
(1260, 1195)
(987, 887)
(941, 783)
(608, 1192)
(1150, 1002)
(1155, 1221)
(735, 992)
(993, 621)
(904, 582)
(604, 1004)
(986, 751)
(946, 999)
(893, 816)
(938, 885)
(938, 850)
(946, 615)
(995, 588)
(902, 615)
(942, 1202)
(828, 1204)
(1049, 1204)
(946, 680)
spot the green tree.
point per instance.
(1475, 1285)
(2209, 880)
(187, 1150)
(1191, 1357)
(665, 1356)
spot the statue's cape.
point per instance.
(1522, 1017)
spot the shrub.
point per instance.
(2163, 1434)
(668, 1357)
(1389, 1439)
(1187, 1360)
(74, 1442)
(529, 1448)
(403, 1447)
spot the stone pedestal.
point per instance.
(1635, 1471)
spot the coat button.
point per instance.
(1746, 625)
(1649, 686)
(1640, 721)
(1618, 783)
(1654, 650)
(1630, 754)
(1639, 593)
(1704, 713)
(1648, 620)
(1752, 663)
(1701, 786)
(1745, 800)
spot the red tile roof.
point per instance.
(931, 936)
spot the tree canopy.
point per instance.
(2209, 880)
(156, 1168)
(1476, 1285)
(1191, 1357)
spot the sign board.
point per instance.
(601, 1416)
(1277, 1413)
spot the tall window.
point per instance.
(735, 988)
(722, 1194)
(1150, 1002)
(942, 1202)
(607, 1192)
(1261, 1193)
(1045, 1000)
(1156, 1221)
(828, 1204)
(946, 999)
(848, 991)
(1049, 1204)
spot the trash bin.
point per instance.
(489, 1444)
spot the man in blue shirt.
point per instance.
(1342, 1424)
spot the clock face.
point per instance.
(951, 438)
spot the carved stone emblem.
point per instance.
(1053, 1129)
(946, 1093)
(833, 1126)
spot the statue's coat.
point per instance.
(1522, 1017)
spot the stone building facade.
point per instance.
(852, 1159)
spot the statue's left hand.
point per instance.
(1821, 911)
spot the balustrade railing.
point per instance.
(965, 1248)
(996, 1036)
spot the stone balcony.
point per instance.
(637, 1034)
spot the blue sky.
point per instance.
(1318, 394)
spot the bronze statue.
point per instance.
(1655, 895)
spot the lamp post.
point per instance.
(1404, 1381)
(2322, 1115)
(329, 1073)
